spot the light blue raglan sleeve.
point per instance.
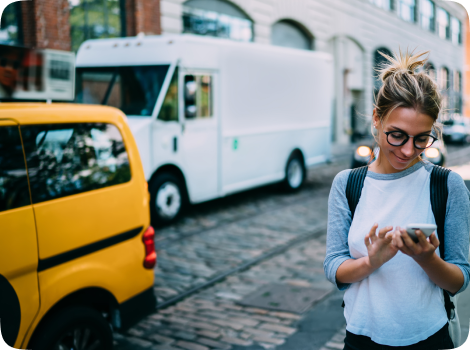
(457, 226)
(339, 222)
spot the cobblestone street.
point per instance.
(226, 249)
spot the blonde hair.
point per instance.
(403, 86)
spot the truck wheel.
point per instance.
(75, 327)
(295, 173)
(167, 199)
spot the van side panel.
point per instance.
(273, 101)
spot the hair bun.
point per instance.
(401, 64)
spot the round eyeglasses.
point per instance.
(399, 138)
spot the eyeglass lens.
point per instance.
(399, 138)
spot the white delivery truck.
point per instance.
(212, 116)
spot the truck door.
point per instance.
(19, 300)
(200, 137)
(166, 148)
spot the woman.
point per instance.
(393, 285)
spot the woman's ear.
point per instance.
(375, 118)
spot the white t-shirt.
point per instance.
(394, 203)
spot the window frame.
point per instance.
(447, 34)
(183, 74)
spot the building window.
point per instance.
(428, 15)
(457, 92)
(444, 79)
(431, 71)
(10, 25)
(94, 19)
(407, 10)
(456, 31)
(379, 62)
(288, 34)
(384, 4)
(443, 23)
(216, 18)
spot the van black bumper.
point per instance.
(136, 308)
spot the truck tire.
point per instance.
(75, 327)
(295, 173)
(167, 199)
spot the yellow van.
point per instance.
(77, 249)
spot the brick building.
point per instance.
(64, 24)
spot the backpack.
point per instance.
(439, 193)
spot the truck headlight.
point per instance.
(432, 152)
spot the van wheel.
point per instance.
(167, 199)
(76, 327)
(295, 173)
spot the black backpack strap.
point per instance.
(439, 193)
(354, 187)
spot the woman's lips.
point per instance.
(402, 160)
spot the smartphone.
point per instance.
(427, 229)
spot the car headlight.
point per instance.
(362, 154)
(432, 152)
(363, 151)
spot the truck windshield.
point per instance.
(133, 89)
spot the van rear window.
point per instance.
(67, 159)
(133, 89)
(14, 192)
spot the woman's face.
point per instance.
(409, 121)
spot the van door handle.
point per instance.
(175, 144)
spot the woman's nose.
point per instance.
(408, 148)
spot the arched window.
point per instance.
(10, 25)
(379, 61)
(289, 34)
(457, 92)
(444, 79)
(431, 70)
(96, 19)
(216, 18)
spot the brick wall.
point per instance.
(46, 24)
(143, 16)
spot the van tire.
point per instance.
(167, 199)
(72, 322)
(295, 173)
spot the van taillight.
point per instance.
(150, 254)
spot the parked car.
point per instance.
(77, 249)
(212, 116)
(366, 149)
(456, 130)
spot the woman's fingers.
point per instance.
(421, 238)
(434, 241)
(384, 231)
(372, 236)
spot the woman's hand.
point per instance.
(381, 247)
(422, 251)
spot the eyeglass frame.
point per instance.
(408, 137)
